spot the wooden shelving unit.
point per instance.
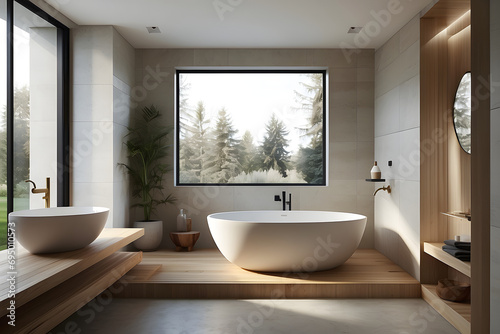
(458, 314)
(50, 287)
(445, 171)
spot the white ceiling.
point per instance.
(246, 23)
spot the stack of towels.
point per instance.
(459, 249)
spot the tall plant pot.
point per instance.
(153, 233)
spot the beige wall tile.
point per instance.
(410, 62)
(343, 161)
(334, 58)
(210, 57)
(409, 34)
(388, 78)
(364, 206)
(93, 63)
(343, 75)
(387, 113)
(387, 149)
(343, 125)
(366, 58)
(123, 59)
(93, 103)
(94, 194)
(364, 74)
(92, 147)
(267, 57)
(387, 53)
(408, 165)
(364, 159)
(409, 104)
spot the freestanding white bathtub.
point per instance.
(287, 241)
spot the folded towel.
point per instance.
(456, 250)
(460, 254)
(458, 244)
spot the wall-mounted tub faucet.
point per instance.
(45, 191)
(388, 189)
(277, 198)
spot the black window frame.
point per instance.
(304, 70)
(63, 97)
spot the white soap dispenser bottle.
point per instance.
(181, 222)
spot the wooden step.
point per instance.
(205, 273)
(141, 272)
(37, 274)
(46, 311)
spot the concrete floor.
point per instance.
(318, 316)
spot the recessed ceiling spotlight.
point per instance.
(154, 30)
(354, 30)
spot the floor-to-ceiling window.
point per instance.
(3, 124)
(34, 129)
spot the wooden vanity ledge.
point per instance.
(37, 274)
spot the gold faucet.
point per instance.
(45, 191)
(388, 189)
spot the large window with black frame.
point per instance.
(251, 127)
(34, 108)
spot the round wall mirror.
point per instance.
(462, 112)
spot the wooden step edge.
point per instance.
(49, 309)
(141, 273)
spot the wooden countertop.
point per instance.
(37, 274)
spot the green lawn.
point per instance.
(19, 204)
(3, 223)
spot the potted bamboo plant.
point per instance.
(147, 150)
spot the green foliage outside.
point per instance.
(3, 223)
(21, 156)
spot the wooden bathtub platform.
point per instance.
(206, 274)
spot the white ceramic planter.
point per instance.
(153, 234)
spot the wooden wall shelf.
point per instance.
(459, 215)
(435, 250)
(458, 314)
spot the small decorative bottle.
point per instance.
(181, 222)
(375, 172)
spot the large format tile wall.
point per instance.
(397, 139)
(43, 115)
(103, 72)
(351, 89)
(495, 167)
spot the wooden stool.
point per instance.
(184, 240)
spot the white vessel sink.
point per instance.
(55, 230)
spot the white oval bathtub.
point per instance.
(287, 241)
